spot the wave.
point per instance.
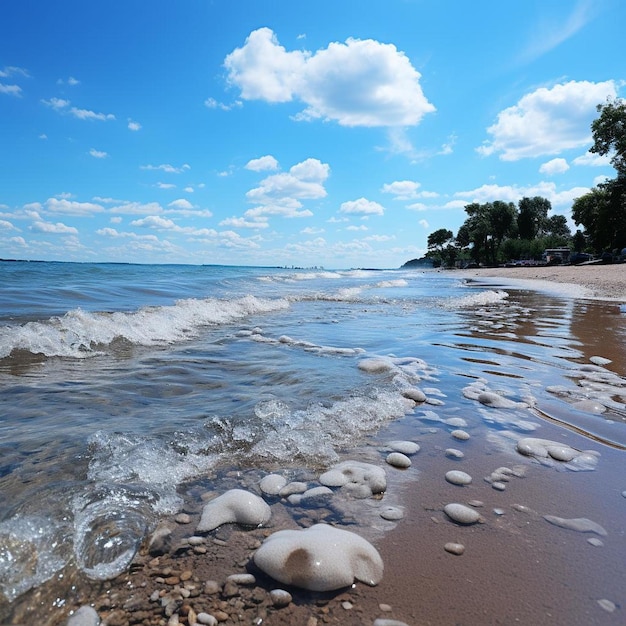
(483, 298)
(80, 333)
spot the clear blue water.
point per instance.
(120, 384)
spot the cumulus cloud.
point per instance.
(12, 70)
(157, 222)
(242, 222)
(181, 203)
(281, 194)
(424, 224)
(513, 193)
(56, 103)
(71, 81)
(361, 206)
(4, 224)
(591, 159)
(134, 126)
(555, 166)
(85, 114)
(54, 229)
(547, 121)
(64, 206)
(262, 164)
(356, 83)
(402, 189)
(137, 208)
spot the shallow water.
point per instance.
(124, 386)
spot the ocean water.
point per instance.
(121, 385)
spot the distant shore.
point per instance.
(605, 282)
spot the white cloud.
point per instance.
(379, 238)
(212, 103)
(262, 164)
(12, 70)
(56, 103)
(134, 126)
(242, 222)
(11, 90)
(115, 234)
(84, 114)
(312, 230)
(417, 206)
(555, 166)
(71, 81)
(424, 224)
(513, 193)
(166, 167)
(20, 241)
(361, 207)
(281, 194)
(547, 121)
(591, 159)
(55, 229)
(356, 83)
(402, 189)
(116, 220)
(161, 223)
(98, 154)
(137, 208)
(165, 185)
(67, 207)
(360, 228)
(188, 189)
(181, 203)
(7, 225)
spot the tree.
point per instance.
(502, 219)
(439, 238)
(532, 216)
(556, 226)
(609, 133)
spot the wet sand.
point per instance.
(597, 281)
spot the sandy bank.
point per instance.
(606, 282)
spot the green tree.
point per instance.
(532, 216)
(439, 238)
(609, 133)
(556, 226)
(502, 221)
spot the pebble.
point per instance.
(412, 393)
(242, 579)
(347, 605)
(392, 513)
(183, 518)
(272, 484)
(85, 616)
(594, 541)
(461, 514)
(453, 453)
(456, 477)
(454, 548)
(461, 435)
(291, 488)
(383, 621)
(456, 422)
(498, 485)
(385, 608)
(211, 587)
(580, 524)
(405, 447)
(280, 598)
(399, 460)
(476, 503)
(195, 540)
(600, 360)
(205, 618)
(498, 511)
(607, 605)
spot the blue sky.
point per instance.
(330, 133)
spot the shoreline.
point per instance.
(597, 282)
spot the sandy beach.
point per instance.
(595, 281)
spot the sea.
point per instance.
(121, 385)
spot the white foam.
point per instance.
(81, 333)
(483, 298)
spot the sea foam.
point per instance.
(81, 333)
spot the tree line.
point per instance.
(496, 232)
